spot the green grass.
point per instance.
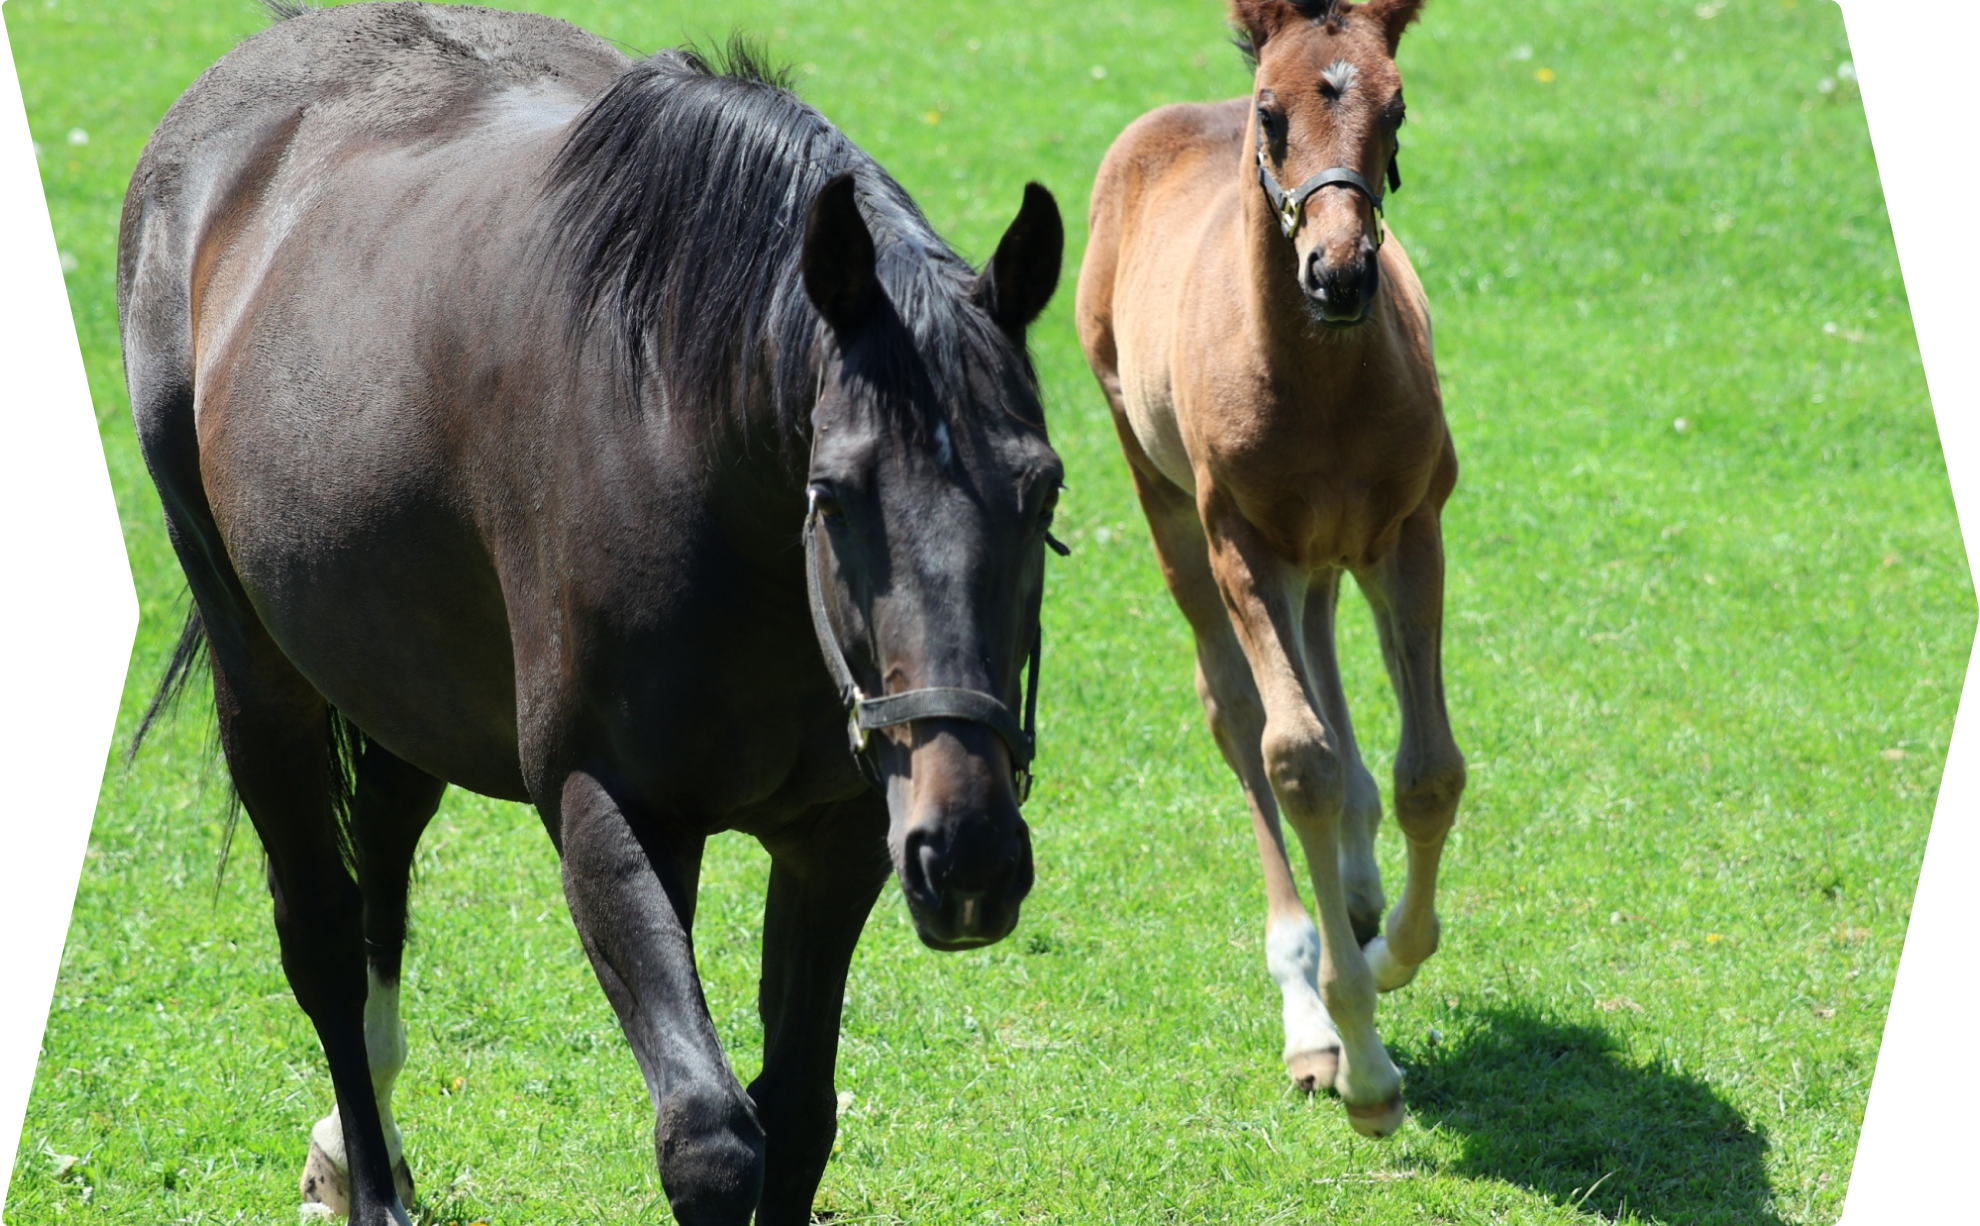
(1705, 678)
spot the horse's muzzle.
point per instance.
(966, 878)
(1341, 294)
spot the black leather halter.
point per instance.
(1290, 206)
(865, 714)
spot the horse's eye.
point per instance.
(1050, 509)
(825, 502)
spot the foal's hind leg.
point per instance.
(275, 731)
(1231, 706)
(390, 807)
(1407, 593)
(1361, 811)
(823, 880)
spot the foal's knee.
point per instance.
(710, 1150)
(1427, 791)
(1306, 770)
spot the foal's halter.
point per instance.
(1290, 206)
(933, 702)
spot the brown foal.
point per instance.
(1266, 350)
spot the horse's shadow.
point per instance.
(1561, 1109)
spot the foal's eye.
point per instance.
(1050, 509)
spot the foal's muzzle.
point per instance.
(1341, 294)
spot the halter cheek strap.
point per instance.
(1290, 206)
(866, 715)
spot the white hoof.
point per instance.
(326, 1181)
(1377, 1120)
(326, 1189)
(1314, 1071)
(1389, 973)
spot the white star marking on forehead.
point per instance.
(1339, 76)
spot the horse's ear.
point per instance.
(838, 260)
(1394, 17)
(1019, 280)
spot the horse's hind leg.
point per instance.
(1407, 593)
(1361, 813)
(1231, 706)
(275, 731)
(390, 806)
(823, 880)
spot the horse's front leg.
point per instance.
(824, 875)
(1407, 592)
(1264, 594)
(631, 888)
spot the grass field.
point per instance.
(1708, 615)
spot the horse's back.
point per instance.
(320, 81)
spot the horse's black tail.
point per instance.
(186, 657)
(189, 652)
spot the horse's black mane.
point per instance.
(683, 196)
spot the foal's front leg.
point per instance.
(824, 878)
(631, 888)
(1407, 592)
(1303, 760)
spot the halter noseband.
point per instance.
(1290, 206)
(866, 715)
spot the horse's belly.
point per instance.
(379, 598)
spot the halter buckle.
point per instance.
(1290, 215)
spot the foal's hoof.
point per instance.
(1389, 973)
(1377, 1120)
(324, 1183)
(1314, 1071)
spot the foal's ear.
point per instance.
(1261, 19)
(1019, 280)
(1394, 17)
(838, 260)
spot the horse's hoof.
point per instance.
(1389, 973)
(323, 1183)
(402, 1182)
(1314, 1071)
(1377, 1120)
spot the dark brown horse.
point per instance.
(1266, 350)
(505, 399)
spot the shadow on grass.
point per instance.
(1561, 1109)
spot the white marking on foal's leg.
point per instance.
(1292, 955)
(327, 1181)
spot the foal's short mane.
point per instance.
(681, 197)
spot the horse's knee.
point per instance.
(1427, 793)
(710, 1151)
(1306, 771)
